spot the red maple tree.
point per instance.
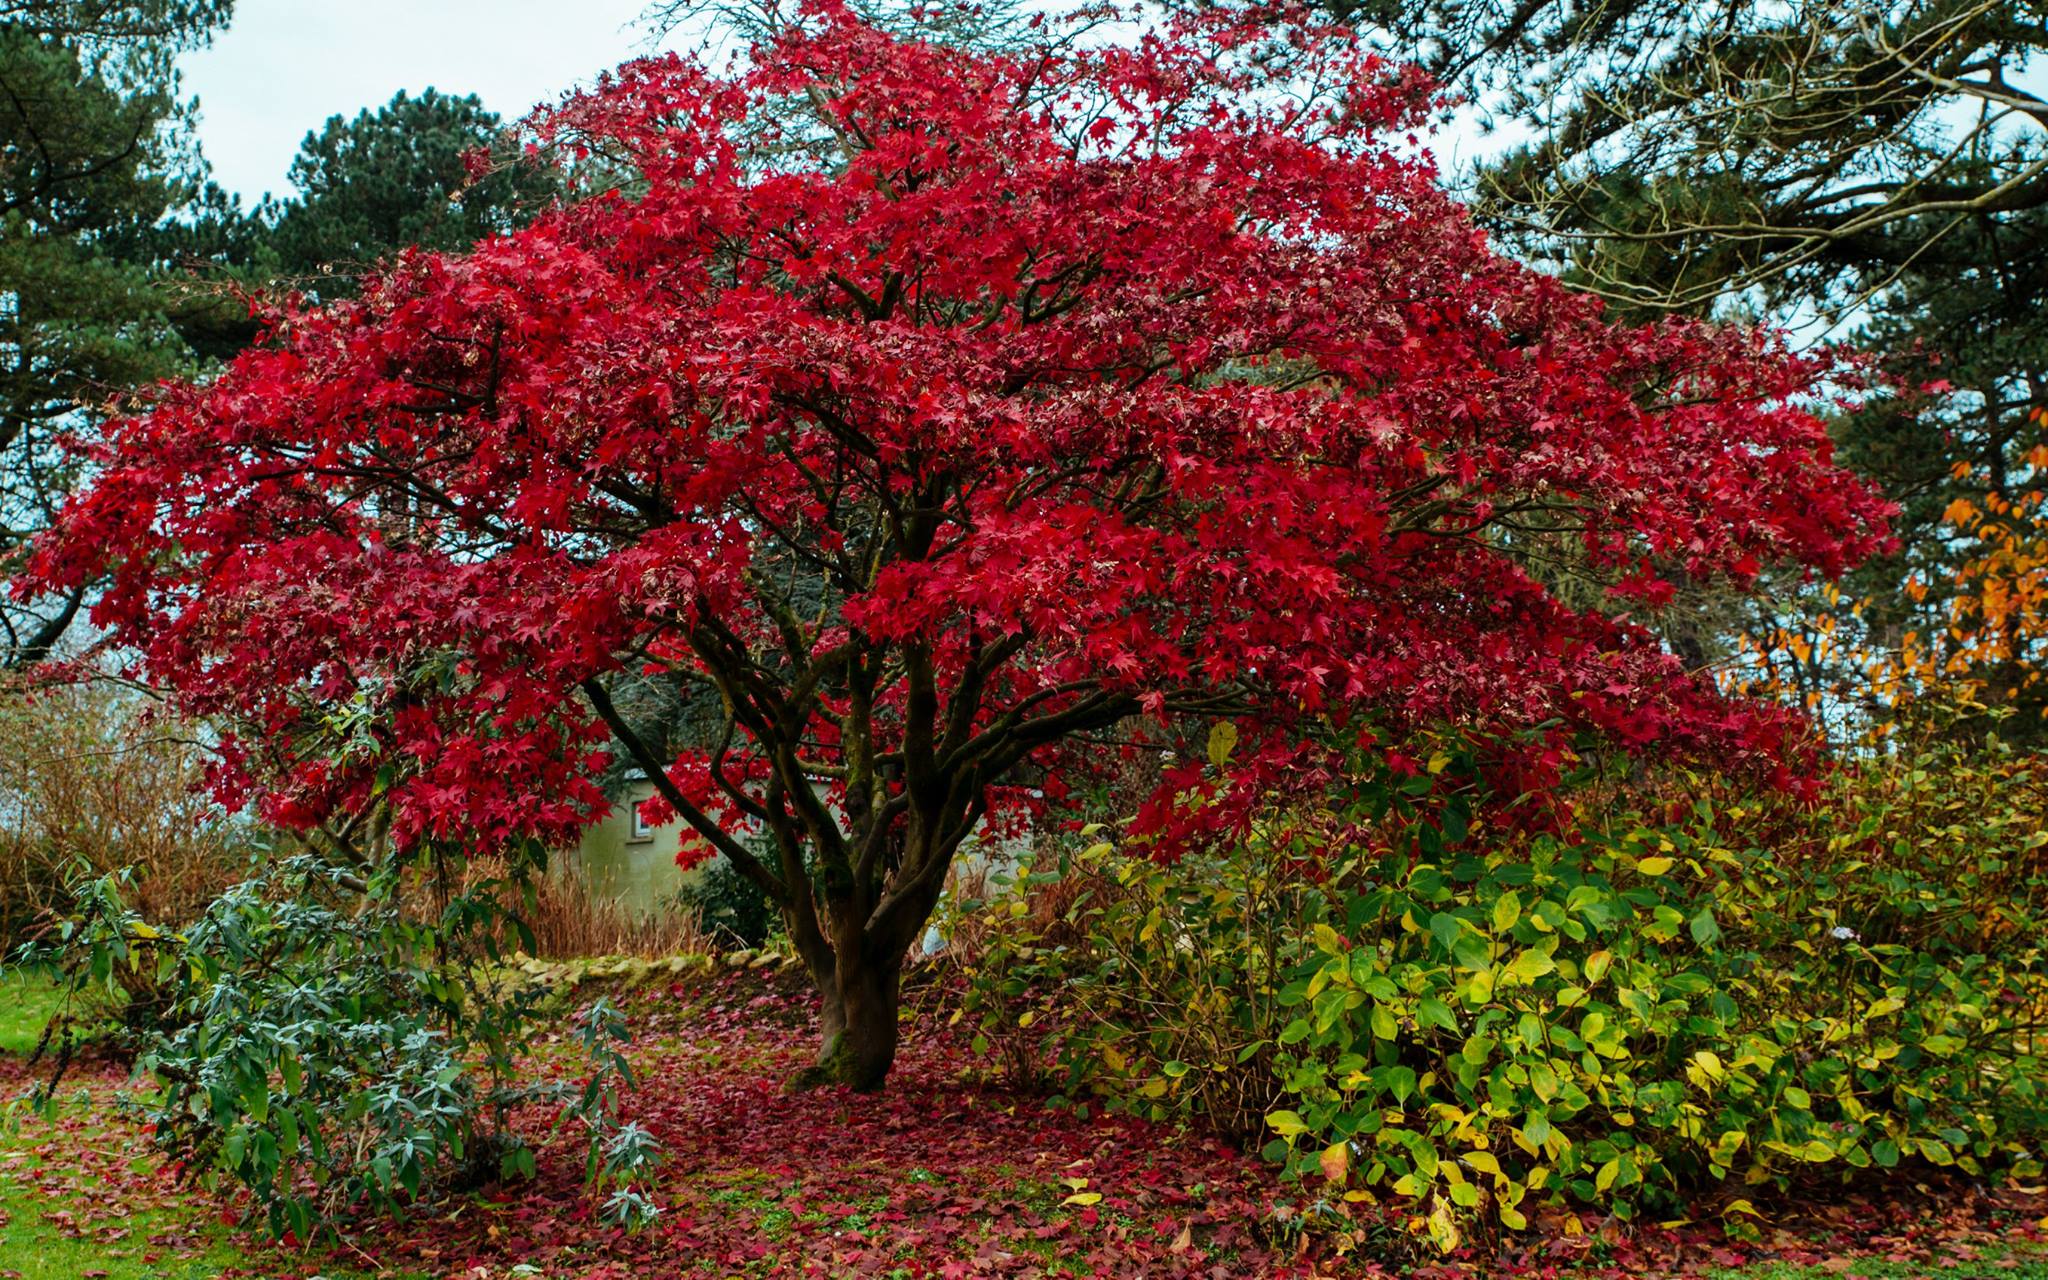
(933, 409)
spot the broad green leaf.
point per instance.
(1531, 965)
(1596, 966)
(1285, 1123)
(1432, 1012)
(1480, 989)
(1446, 928)
(1506, 910)
(1706, 931)
(1401, 1083)
(1384, 1025)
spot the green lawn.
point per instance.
(78, 1199)
(79, 1195)
(32, 1247)
(2020, 1263)
(27, 999)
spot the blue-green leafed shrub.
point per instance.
(334, 1054)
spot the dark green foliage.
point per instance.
(94, 156)
(1879, 166)
(1971, 311)
(122, 265)
(729, 905)
(146, 32)
(399, 177)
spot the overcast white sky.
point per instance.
(284, 66)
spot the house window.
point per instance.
(641, 831)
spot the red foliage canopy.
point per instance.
(934, 407)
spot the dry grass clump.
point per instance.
(93, 779)
(569, 919)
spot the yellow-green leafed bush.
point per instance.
(1642, 1016)
(1617, 1018)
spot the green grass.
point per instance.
(71, 1235)
(75, 1222)
(34, 1248)
(64, 1232)
(27, 999)
(2025, 1262)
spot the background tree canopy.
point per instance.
(397, 177)
(93, 154)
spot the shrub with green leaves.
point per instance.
(729, 906)
(1476, 1021)
(334, 1051)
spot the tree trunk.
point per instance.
(857, 1021)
